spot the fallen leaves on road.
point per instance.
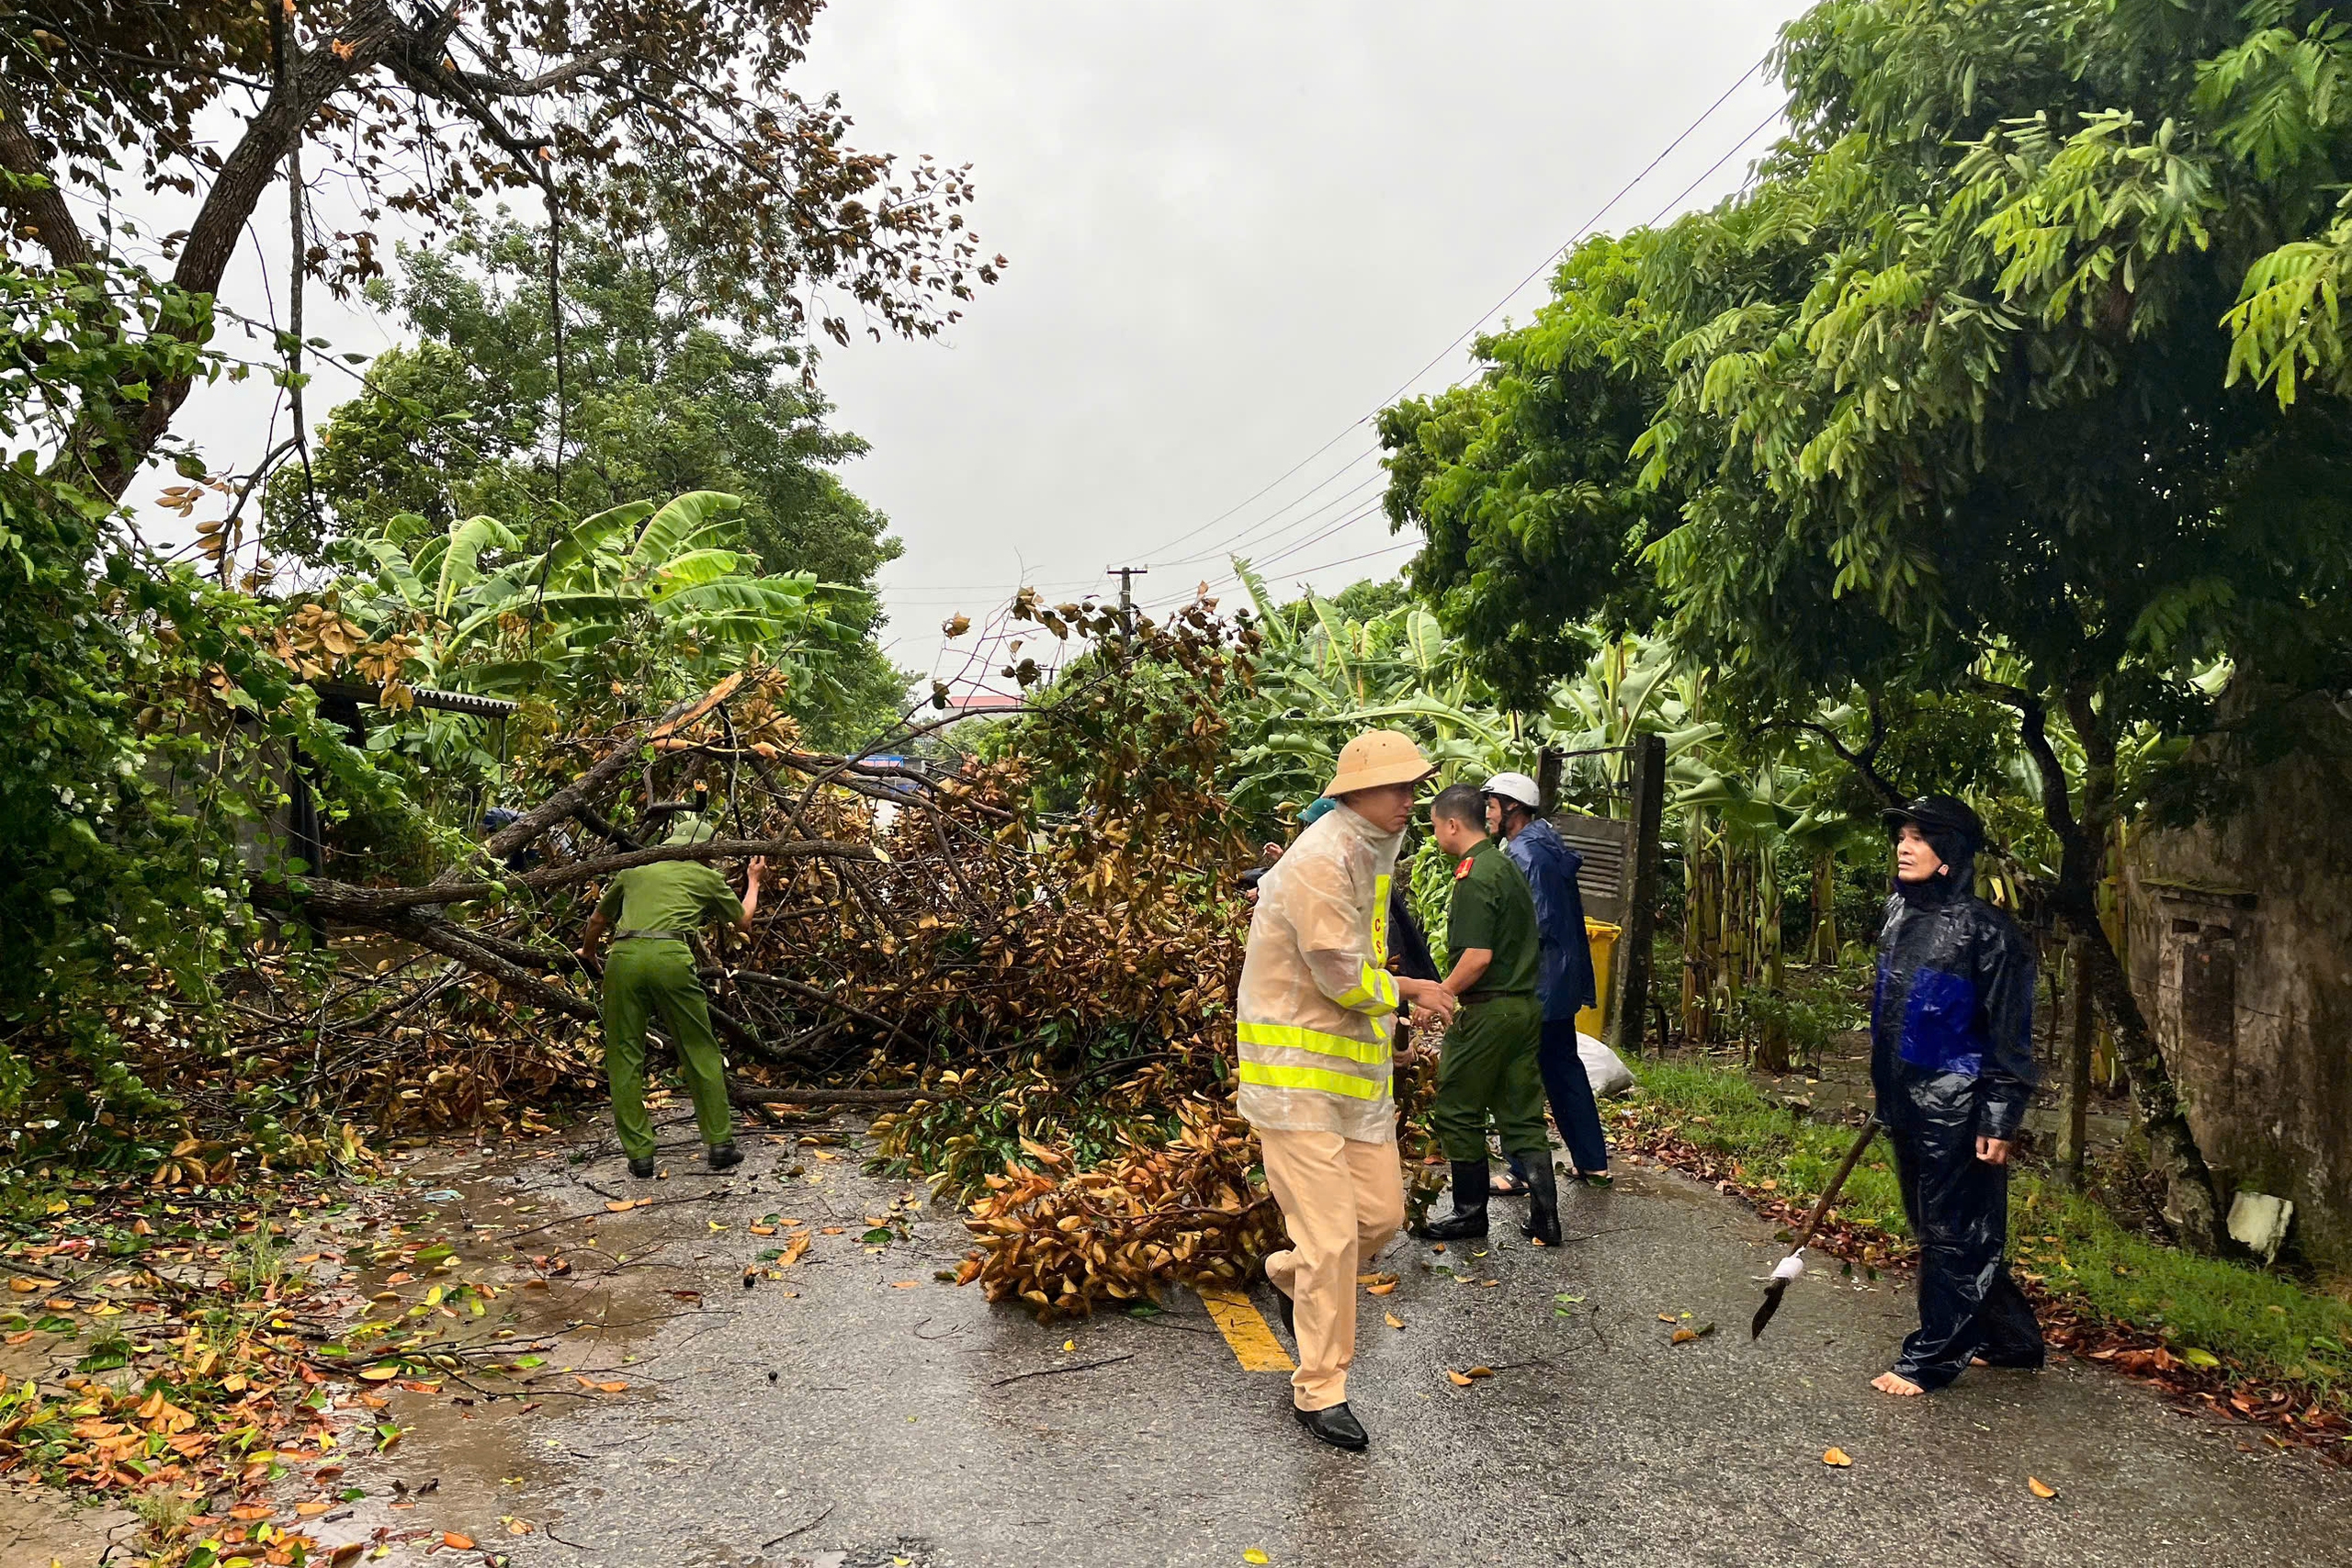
(1380, 1290)
(1256, 1553)
(1685, 1335)
(457, 1543)
(1063, 1239)
(2040, 1487)
(1468, 1375)
(1838, 1457)
(1394, 1321)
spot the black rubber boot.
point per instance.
(1469, 1217)
(1289, 1310)
(1543, 1226)
(724, 1157)
(1337, 1425)
(641, 1168)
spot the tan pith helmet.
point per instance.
(1379, 757)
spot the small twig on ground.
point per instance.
(797, 1530)
(1053, 1372)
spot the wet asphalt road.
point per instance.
(864, 1421)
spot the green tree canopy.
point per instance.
(663, 397)
(1965, 393)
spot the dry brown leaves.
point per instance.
(1062, 1240)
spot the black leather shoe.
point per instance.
(641, 1168)
(1337, 1425)
(1543, 1224)
(1468, 1220)
(724, 1157)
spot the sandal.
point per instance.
(1600, 1179)
(1503, 1184)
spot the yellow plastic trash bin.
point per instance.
(1602, 937)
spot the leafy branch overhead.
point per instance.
(625, 119)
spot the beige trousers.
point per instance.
(1342, 1202)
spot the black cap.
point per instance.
(1939, 813)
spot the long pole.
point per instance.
(1126, 576)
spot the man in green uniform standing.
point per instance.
(650, 971)
(1489, 1058)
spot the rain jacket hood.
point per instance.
(1316, 1003)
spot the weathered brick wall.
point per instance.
(2239, 940)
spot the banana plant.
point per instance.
(656, 595)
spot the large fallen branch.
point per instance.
(365, 906)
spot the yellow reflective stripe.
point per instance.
(1375, 992)
(1297, 1037)
(1379, 920)
(1330, 1082)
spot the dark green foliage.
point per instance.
(1525, 485)
(661, 398)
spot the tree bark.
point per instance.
(2191, 1204)
(364, 39)
(2074, 1061)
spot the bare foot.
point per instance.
(1978, 1361)
(1896, 1384)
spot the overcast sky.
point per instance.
(1235, 231)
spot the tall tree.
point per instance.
(666, 395)
(626, 119)
(1954, 397)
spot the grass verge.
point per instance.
(2265, 1343)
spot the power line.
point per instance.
(1466, 333)
(1711, 169)
(1261, 530)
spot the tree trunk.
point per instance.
(2191, 1204)
(1823, 947)
(2074, 1063)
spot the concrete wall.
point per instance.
(2240, 938)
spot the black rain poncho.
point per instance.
(1951, 1030)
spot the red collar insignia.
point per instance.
(1463, 869)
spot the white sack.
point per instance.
(1607, 1074)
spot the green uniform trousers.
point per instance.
(1488, 1063)
(643, 978)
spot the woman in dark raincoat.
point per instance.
(1952, 1056)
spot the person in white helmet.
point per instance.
(1566, 986)
(1314, 1014)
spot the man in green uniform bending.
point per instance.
(652, 971)
(1489, 1058)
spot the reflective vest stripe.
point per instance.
(1373, 992)
(1321, 1078)
(1297, 1037)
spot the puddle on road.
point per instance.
(583, 1289)
(579, 1292)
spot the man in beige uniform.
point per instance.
(1315, 1010)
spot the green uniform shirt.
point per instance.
(669, 896)
(1493, 908)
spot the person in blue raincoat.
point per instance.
(1952, 1057)
(1565, 979)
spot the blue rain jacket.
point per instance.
(1952, 1017)
(1563, 979)
(1952, 1031)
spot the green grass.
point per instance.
(2257, 1324)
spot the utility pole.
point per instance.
(1126, 576)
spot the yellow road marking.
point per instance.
(1254, 1344)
